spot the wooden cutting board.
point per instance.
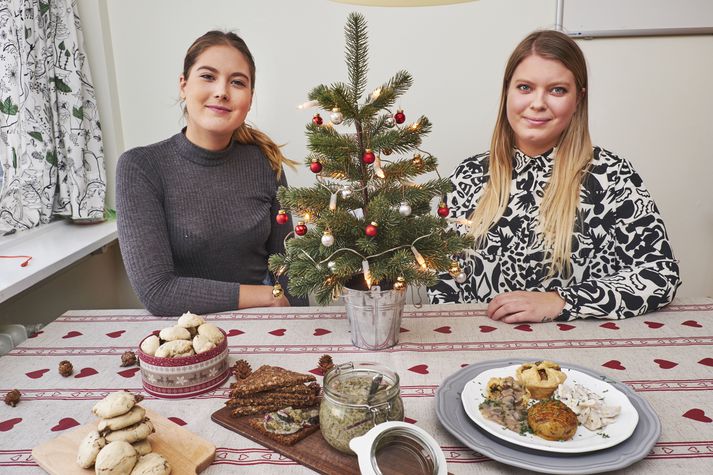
(312, 451)
(187, 453)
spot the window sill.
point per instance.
(53, 247)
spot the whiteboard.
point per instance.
(587, 18)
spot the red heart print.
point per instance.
(445, 329)
(697, 415)
(409, 420)
(127, 373)
(86, 372)
(36, 334)
(403, 330)
(235, 332)
(72, 334)
(36, 374)
(487, 329)
(610, 325)
(321, 331)
(464, 365)
(692, 323)
(116, 334)
(706, 362)
(65, 423)
(419, 368)
(177, 420)
(614, 364)
(278, 332)
(317, 371)
(565, 327)
(665, 364)
(9, 424)
(524, 328)
(653, 324)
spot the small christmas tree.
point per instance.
(367, 216)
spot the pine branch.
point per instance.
(390, 91)
(336, 95)
(330, 143)
(357, 54)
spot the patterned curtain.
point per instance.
(51, 150)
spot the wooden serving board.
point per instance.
(313, 451)
(187, 453)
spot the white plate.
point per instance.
(584, 440)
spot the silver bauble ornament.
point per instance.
(327, 239)
(332, 265)
(460, 278)
(346, 192)
(404, 209)
(389, 122)
(336, 116)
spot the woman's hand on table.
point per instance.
(522, 306)
(260, 296)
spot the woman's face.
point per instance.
(217, 95)
(541, 101)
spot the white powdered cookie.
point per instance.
(190, 320)
(150, 345)
(142, 447)
(201, 344)
(174, 333)
(136, 414)
(211, 332)
(116, 458)
(152, 464)
(175, 348)
(89, 447)
(133, 433)
(114, 404)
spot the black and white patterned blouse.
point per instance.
(621, 258)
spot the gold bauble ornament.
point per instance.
(400, 283)
(277, 291)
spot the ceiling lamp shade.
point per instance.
(401, 3)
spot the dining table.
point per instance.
(664, 357)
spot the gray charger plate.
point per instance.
(450, 412)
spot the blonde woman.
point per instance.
(196, 212)
(563, 230)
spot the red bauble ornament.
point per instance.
(301, 228)
(368, 156)
(400, 117)
(372, 229)
(317, 119)
(442, 210)
(282, 217)
(315, 166)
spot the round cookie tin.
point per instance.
(184, 376)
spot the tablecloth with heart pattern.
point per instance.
(666, 357)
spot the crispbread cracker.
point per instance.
(268, 399)
(269, 377)
(285, 439)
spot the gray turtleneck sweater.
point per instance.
(195, 224)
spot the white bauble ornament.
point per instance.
(389, 122)
(332, 265)
(460, 278)
(336, 116)
(346, 192)
(404, 209)
(327, 239)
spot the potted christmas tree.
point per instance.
(366, 230)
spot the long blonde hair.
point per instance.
(245, 134)
(558, 211)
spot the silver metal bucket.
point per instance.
(374, 316)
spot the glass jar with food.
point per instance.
(358, 396)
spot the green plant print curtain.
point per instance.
(51, 150)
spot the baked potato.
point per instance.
(552, 420)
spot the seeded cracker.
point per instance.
(286, 439)
(269, 377)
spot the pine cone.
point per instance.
(325, 363)
(128, 358)
(65, 368)
(12, 398)
(242, 369)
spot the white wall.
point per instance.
(650, 97)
